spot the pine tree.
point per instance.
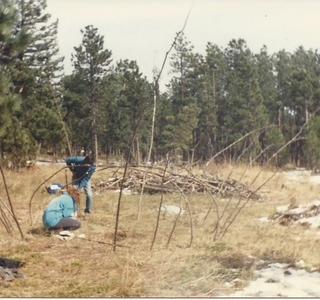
(243, 109)
(35, 72)
(90, 63)
(215, 68)
(134, 106)
(185, 91)
(13, 138)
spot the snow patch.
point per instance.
(280, 281)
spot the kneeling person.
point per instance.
(60, 213)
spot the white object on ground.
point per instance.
(65, 235)
(282, 208)
(279, 281)
(264, 219)
(171, 210)
(314, 221)
(124, 191)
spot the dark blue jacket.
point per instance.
(81, 173)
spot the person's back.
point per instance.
(60, 207)
(82, 168)
(77, 166)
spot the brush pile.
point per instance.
(156, 182)
(306, 215)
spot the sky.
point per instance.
(144, 30)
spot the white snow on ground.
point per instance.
(313, 221)
(298, 175)
(279, 281)
(314, 179)
(302, 175)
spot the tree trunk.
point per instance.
(138, 151)
(96, 147)
(153, 119)
(38, 151)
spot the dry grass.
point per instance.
(90, 268)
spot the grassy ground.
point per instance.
(91, 268)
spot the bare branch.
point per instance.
(10, 202)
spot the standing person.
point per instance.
(82, 168)
(61, 211)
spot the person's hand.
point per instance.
(74, 215)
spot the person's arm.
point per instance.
(84, 180)
(69, 206)
(75, 166)
(72, 160)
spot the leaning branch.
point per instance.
(156, 80)
(237, 141)
(10, 203)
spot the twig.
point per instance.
(122, 181)
(156, 82)
(173, 228)
(5, 221)
(238, 140)
(237, 213)
(10, 202)
(160, 204)
(102, 242)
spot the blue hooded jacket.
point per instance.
(82, 174)
(60, 207)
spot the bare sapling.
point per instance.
(244, 199)
(155, 85)
(10, 203)
(177, 218)
(4, 219)
(161, 202)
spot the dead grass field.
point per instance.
(90, 268)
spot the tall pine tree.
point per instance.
(91, 64)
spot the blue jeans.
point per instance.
(88, 192)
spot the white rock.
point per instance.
(171, 210)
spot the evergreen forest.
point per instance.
(257, 108)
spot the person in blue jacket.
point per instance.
(61, 211)
(82, 168)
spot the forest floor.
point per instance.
(188, 257)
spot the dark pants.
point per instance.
(67, 224)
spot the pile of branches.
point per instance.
(303, 214)
(167, 182)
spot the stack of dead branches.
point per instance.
(303, 214)
(174, 183)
